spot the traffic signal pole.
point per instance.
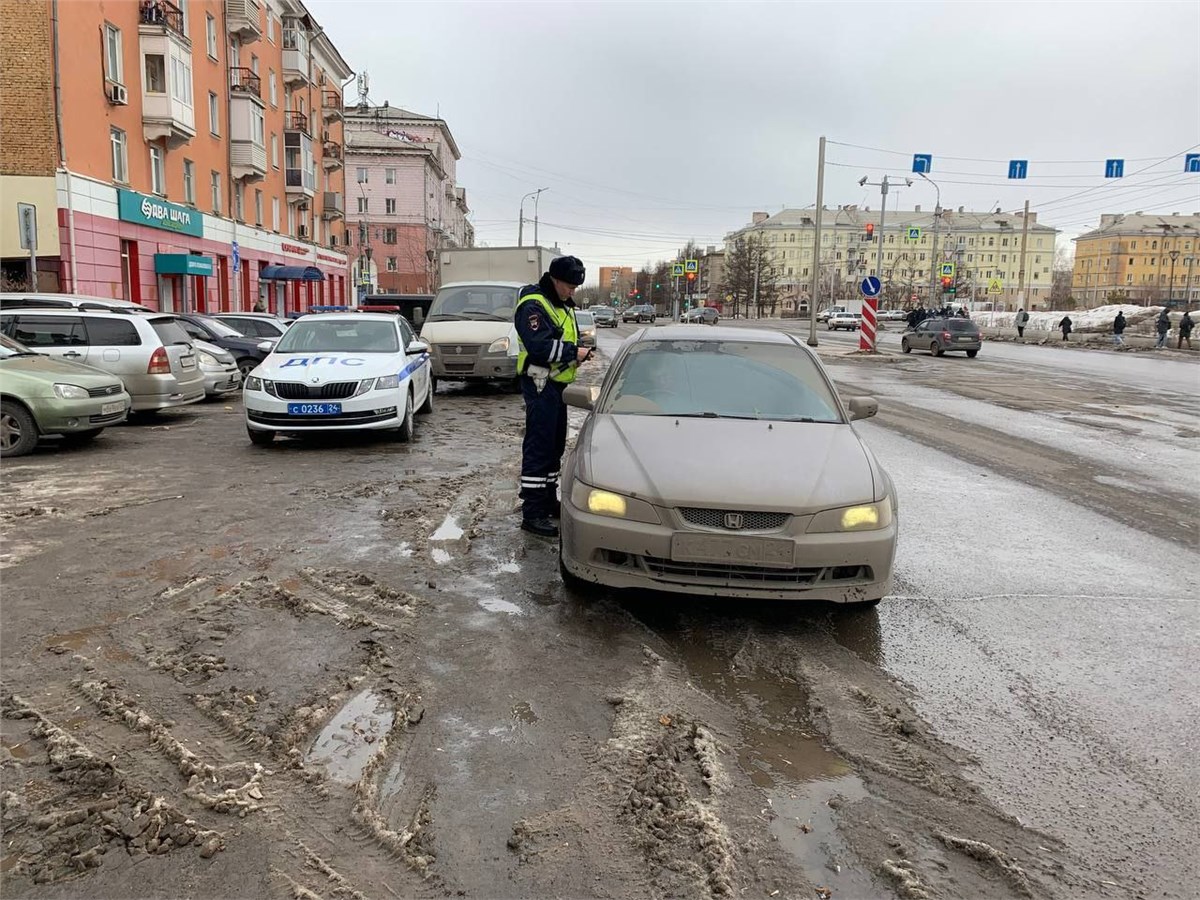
(816, 256)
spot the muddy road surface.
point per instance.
(337, 669)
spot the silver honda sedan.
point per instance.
(801, 508)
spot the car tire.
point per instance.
(427, 407)
(404, 434)
(935, 349)
(972, 353)
(260, 438)
(246, 365)
(905, 346)
(18, 430)
(82, 437)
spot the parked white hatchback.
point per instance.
(340, 372)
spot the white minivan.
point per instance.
(470, 331)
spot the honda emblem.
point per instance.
(733, 521)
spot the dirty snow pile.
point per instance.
(1097, 320)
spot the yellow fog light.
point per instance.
(860, 517)
(606, 503)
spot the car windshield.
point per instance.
(217, 327)
(9, 347)
(721, 379)
(478, 301)
(340, 336)
(585, 319)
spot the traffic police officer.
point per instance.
(546, 364)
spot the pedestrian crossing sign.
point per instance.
(677, 270)
(995, 286)
(914, 234)
(691, 265)
(948, 270)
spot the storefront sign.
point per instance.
(293, 248)
(157, 213)
(335, 260)
(182, 264)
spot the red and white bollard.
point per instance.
(866, 335)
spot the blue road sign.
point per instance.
(1017, 168)
(870, 286)
(237, 256)
(922, 163)
(1114, 168)
(1191, 162)
(914, 233)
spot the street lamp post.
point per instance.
(1174, 254)
(937, 219)
(521, 220)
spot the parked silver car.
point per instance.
(587, 328)
(149, 352)
(220, 369)
(50, 300)
(252, 324)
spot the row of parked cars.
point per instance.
(72, 365)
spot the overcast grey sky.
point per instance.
(652, 123)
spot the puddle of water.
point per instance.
(449, 530)
(351, 738)
(75, 640)
(440, 556)
(393, 781)
(495, 604)
(19, 750)
(523, 712)
(9, 861)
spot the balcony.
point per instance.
(247, 140)
(161, 16)
(300, 177)
(244, 19)
(296, 60)
(166, 70)
(331, 105)
(331, 156)
(335, 205)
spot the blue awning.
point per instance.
(291, 273)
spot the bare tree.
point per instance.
(1060, 278)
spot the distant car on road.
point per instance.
(702, 315)
(41, 395)
(891, 315)
(641, 313)
(847, 320)
(824, 314)
(605, 316)
(587, 328)
(940, 336)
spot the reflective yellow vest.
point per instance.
(563, 319)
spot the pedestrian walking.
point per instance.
(1022, 318)
(1066, 326)
(547, 360)
(1185, 330)
(1163, 326)
(1119, 329)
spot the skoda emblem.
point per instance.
(733, 521)
(316, 380)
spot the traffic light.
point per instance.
(691, 276)
(948, 285)
(870, 229)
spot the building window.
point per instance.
(210, 35)
(120, 161)
(216, 193)
(214, 113)
(275, 213)
(389, 235)
(239, 205)
(275, 151)
(189, 181)
(362, 204)
(181, 81)
(391, 264)
(258, 208)
(253, 63)
(389, 206)
(389, 176)
(183, 17)
(270, 25)
(362, 175)
(271, 87)
(114, 67)
(256, 118)
(156, 74)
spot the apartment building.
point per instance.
(985, 247)
(616, 282)
(1146, 259)
(199, 149)
(405, 204)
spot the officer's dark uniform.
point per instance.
(548, 337)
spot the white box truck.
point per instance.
(469, 328)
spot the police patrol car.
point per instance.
(340, 372)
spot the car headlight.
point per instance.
(70, 392)
(500, 345)
(363, 386)
(253, 383)
(387, 383)
(864, 517)
(207, 359)
(608, 503)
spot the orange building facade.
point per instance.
(200, 154)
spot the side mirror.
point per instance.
(266, 346)
(581, 396)
(862, 407)
(417, 347)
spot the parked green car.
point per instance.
(41, 395)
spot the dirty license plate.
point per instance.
(748, 551)
(314, 409)
(187, 362)
(109, 408)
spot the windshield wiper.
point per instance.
(482, 315)
(438, 317)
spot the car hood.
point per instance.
(728, 463)
(53, 368)
(470, 331)
(221, 354)
(249, 345)
(321, 368)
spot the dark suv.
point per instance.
(246, 350)
(643, 313)
(940, 336)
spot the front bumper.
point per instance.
(221, 380)
(55, 416)
(851, 567)
(471, 366)
(373, 411)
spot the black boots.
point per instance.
(542, 527)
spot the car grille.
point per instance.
(459, 358)
(453, 350)
(366, 417)
(667, 568)
(335, 390)
(107, 420)
(748, 520)
(106, 391)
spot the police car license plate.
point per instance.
(314, 409)
(109, 408)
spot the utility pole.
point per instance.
(816, 255)
(536, 197)
(1021, 272)
(757, 266)
(521, 219)
(867, 335)
(937, 219)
